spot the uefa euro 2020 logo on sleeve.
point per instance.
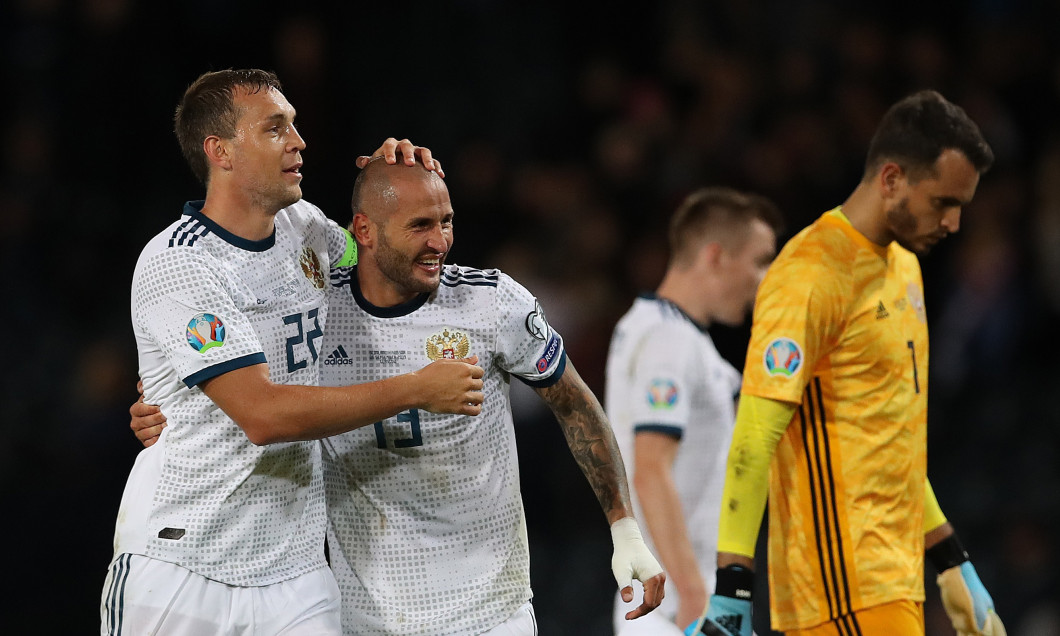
(662, 394)
(205, 331)
(783, 357)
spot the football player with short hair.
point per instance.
(832, 421)
(671, 395)
(222, 523)
(427, 532)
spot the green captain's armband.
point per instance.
(349, 257)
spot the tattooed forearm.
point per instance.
(591, 441)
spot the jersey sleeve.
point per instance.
(933, 515)
(182, 305)
(527, 346)
(342, 249)
(760, 423)
(797, 320)
(661, 376)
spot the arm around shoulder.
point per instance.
(270, 413)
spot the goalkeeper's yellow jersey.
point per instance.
(840, 329)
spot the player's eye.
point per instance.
(943, 204)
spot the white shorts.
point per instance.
(522, 623)
(147, 596)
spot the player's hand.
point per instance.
(968, 604)
(451, 386)
(729, 611)
(388, 151)
(632, 560)
(147, 420)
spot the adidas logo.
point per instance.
(732, 622)
(881, 311)
(726, 625)
(337, 357)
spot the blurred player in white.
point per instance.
(222, 521)
(671, 396)
(427, 530)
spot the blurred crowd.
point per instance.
(568, 132)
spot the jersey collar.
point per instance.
(836, 217)
(194, 210)
(671, 304)
(395, 311)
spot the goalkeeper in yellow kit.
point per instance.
(832, 419)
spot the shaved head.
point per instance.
(403, 225)
(376, 190)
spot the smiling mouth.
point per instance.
(431, 263)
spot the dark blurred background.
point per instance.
(568, 132)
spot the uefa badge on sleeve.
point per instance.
(662, 394)
(205, 331)
(783, 357)
(536, 325)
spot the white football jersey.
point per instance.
(205, 302)
(427, 531)
(664, 374)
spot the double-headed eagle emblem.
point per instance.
(449, 344)
(311, 267)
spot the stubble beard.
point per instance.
(277, 197)
(903, 226)
(400, 269)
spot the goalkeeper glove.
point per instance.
(729, 610)
(968, 604)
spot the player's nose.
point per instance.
(951, 220)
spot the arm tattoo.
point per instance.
(591, 441)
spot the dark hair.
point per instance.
(915, 131)
(208, 108)
(717, 212)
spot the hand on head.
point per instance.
(390, 149)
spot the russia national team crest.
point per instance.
(783, 357)
(662, 394)
(311, 267)
(449, 344)
(205, 331)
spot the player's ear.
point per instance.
(890, 178)
(217, 152)
(361, 228)
(711, 253)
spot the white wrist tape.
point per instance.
(631, 559)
